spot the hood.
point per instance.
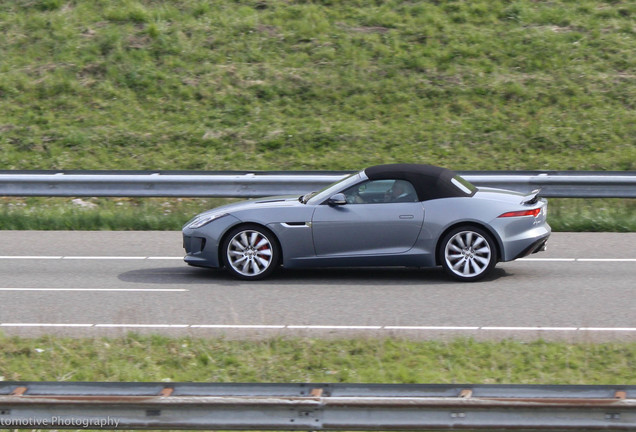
(267, 202)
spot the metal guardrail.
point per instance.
(75, 405)
(573, 184)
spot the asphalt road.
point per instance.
(111, 283)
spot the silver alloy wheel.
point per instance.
(467, 254)
(249, 253)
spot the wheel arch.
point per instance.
(229, 229)
(489, 230)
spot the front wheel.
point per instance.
(468, 253)
(250, 252)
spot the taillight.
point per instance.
(533, 212)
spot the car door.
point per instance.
(372, 222)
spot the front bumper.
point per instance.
(202, 244)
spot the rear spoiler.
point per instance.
(531, 198)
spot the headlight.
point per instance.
(204, 219)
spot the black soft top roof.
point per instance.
(430, 182)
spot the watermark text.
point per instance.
(55, 421)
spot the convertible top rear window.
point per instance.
(430, 182)
(464, 184)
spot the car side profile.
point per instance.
(387, 215)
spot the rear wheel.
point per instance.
(468, 253)
(250, 252)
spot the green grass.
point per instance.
(324, 84)
(156, 358)
(101, 213)
(136, 358)
(590, 215)
(287, 85)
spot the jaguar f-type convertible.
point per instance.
(388, 215)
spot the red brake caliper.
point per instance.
(262, 248)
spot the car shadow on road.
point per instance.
(323, 276)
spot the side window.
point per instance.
(402, 191)
(381, 191)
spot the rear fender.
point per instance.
(490, 231)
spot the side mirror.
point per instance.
(337, 200)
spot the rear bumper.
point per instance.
(525, 243)
(538, 246)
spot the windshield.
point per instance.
(328, 191)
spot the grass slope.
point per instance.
(292, 84)
(156, 358)
(592, 215)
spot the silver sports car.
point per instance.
(387, 215)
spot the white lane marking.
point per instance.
(607, 259)
(329, 327)
(229, 326)
(549, 259)
(103, 258)
(43, 325)
(31, 257)
(143, 325)
(100, 289)
(332, 327)
(180, 258)
(530, 328)
(165, 258)
(45, 257)
(430, 328)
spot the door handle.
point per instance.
(406, 216)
